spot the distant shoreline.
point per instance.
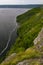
(21, 6)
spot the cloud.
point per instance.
(21, 2)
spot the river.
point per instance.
(8, 26)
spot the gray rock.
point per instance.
(25, 62)
(39, 37)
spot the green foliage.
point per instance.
(24, 17)
(31, 23)
(28, 30)
(28, 54)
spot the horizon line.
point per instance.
(21, 6)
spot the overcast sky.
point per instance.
(21, 2)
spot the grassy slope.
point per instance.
(30, 54)
(31, 23)
(28, 30)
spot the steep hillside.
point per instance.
(30, 24)
(31, 56)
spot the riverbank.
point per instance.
(31, 24)
(9, 27)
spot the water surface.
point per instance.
(8, 23)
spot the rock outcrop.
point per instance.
(39, 37)
(38, 42)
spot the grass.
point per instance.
(24, 17)
(31, 23)
(30, 53)
(28, 30)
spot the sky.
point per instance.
(21, 2)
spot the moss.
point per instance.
(35, 63)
